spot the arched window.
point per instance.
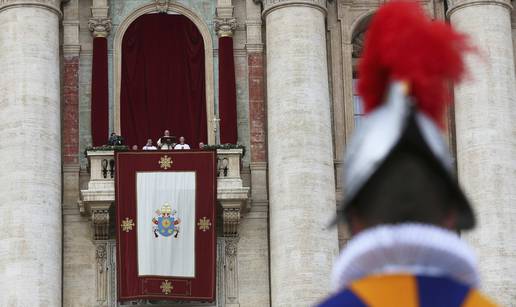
(358, 45)
(163, 79)
(206, 133)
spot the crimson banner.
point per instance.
(165, 216)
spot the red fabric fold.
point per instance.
(227, 92)
(163, 80)
(99, 93)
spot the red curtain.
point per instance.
(163, 80)
(227, 92)
(99, 93)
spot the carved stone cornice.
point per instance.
(99, 26)
(225, 26)
(455, 5)
(52, 5)
(270, 5)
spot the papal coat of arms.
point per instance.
(166, 223)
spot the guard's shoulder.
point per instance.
(345, 298)
(477, 299)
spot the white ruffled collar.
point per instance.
(417, 249)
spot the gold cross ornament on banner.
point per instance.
(127, 224)
(166, 287)
(165, 162)
(204, 224)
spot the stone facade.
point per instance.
(294, 65)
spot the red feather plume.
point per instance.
(402, 43)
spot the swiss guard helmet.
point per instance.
(397, 167)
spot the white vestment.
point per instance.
(182, 146)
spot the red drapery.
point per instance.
(99, 93)
(163, 80)
(130, 284)
(227, 92)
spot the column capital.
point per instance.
(225, 26)
(99, 26)
(52, 5)
(456, 5)
(270, 5)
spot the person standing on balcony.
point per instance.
(182, 144)
(149, 145)
(167, 141)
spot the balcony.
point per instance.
(99, 198)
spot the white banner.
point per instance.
(165, 204)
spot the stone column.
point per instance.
(30, 154)
(301, 177)
(485, 112)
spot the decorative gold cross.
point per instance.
(166, 287)
(165, 162)
(127, 224)
(204, 224)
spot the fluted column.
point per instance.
(301, 178)
(485, 113)
(30, 154)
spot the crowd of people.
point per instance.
(166, 142)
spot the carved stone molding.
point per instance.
(270, 5)
(100, 222)
(99, 26)
(162, 6)
(455, 5)
(51, 5)
(225, 26)
(231, 271)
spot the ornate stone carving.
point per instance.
(225, 26)
(162, 5)
(100, 222)
(101, 257)
(231, 271)
(99, 26)
(358, 44)
(231, 218)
